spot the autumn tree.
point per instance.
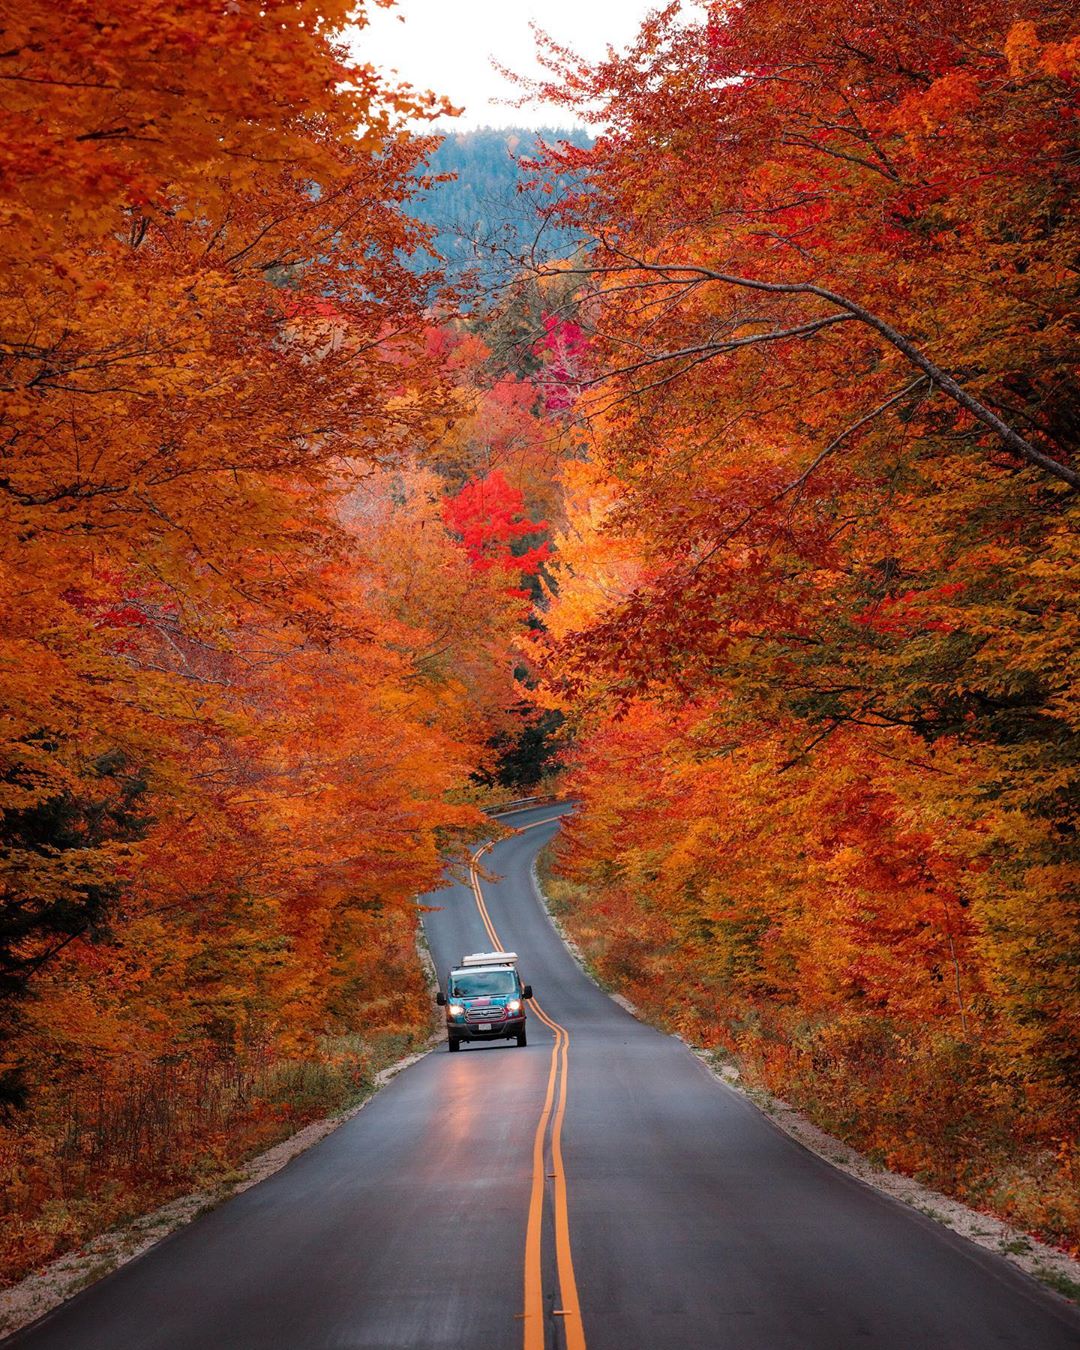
(247, 669)
(831, 420)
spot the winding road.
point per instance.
(597, 1188)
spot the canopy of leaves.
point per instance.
(816, 610)
(248, 672)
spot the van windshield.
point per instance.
(470, 983)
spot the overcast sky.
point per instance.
(448, 46)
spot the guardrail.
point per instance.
(523, 804)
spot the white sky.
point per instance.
(448, 45)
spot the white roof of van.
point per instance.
(490, 959)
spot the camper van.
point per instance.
(485, 1000)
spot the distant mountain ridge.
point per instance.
(482, 220)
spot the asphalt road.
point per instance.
(678, 1217)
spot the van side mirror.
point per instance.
(527, 991)
(440, 999)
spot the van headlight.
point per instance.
(513, 1005)
(456, 1009)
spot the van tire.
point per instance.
(523, 1038)
(452, 1043)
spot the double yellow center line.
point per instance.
(554, 1111)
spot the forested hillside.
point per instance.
(484, 215)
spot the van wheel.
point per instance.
(452, 1044)
(523, 1038)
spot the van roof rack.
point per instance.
(490, 959)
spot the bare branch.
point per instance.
(707, 350)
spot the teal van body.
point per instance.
(485, 1000)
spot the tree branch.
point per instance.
(1019, 445)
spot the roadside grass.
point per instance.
(1062, 1284)
(102, 1161)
